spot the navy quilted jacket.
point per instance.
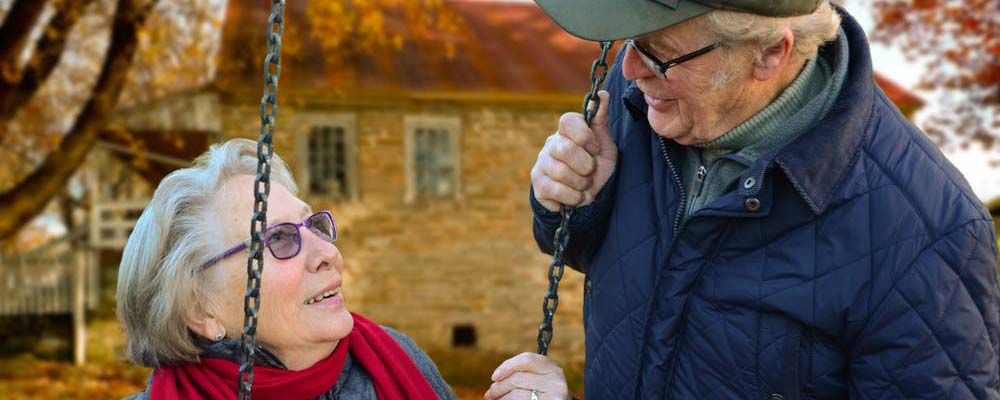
(857, 264)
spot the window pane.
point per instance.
(433, 161)
(328, 161)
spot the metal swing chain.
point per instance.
(261, 188)
(598, 71)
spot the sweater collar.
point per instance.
(229, 349)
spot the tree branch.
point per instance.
(48, 52)
(15, 31)
(26, 200)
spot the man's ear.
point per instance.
(205, 325)
(774, 58)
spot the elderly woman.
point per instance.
(181, 285)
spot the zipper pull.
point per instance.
(700, 175)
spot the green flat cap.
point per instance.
(619, 19)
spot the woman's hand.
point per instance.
(519, 375)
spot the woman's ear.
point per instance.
(774, 58)
(205, 325)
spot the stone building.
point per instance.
(423, 158)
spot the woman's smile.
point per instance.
(330, 299)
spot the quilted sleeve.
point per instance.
(933, 331)
(587, 227)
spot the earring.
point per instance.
(219, 336)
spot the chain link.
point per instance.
(261, 189)
(598, 71)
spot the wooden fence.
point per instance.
(58, 278)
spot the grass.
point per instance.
(105, 376)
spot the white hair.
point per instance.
(157, 283)
(737, 30)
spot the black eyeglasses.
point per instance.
(284, 239)
(660, 68)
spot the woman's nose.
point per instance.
(632, 67)
(320, 253)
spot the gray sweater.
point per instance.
(712, 168)
(353, 383)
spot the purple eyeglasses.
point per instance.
(284, 239)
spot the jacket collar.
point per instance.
(817, 161)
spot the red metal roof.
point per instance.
(897, 93)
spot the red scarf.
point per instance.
(393, 373)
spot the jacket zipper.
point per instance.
(680, 184)
(681, 209)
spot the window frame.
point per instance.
(452, 124)
(305, 122)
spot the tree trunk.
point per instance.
(26, 200)
(16, 29)
(48, 52)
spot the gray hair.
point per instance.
(157, 282)
(737, 29)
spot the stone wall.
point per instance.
(430, 265)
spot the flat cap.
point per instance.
(619, 19)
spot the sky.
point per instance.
(973, 162)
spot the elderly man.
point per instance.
(756, 220)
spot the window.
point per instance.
(326, 152)
(328, 161)
(433, 165)
(433, 160)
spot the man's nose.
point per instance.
(632, 67)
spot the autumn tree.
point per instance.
(67, 66)
(336, 33)
(364, 27)
(54, 107)
(960, 39)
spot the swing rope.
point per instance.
(261, 188)
(598, 71)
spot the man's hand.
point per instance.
(576, 162)
(519, 375)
